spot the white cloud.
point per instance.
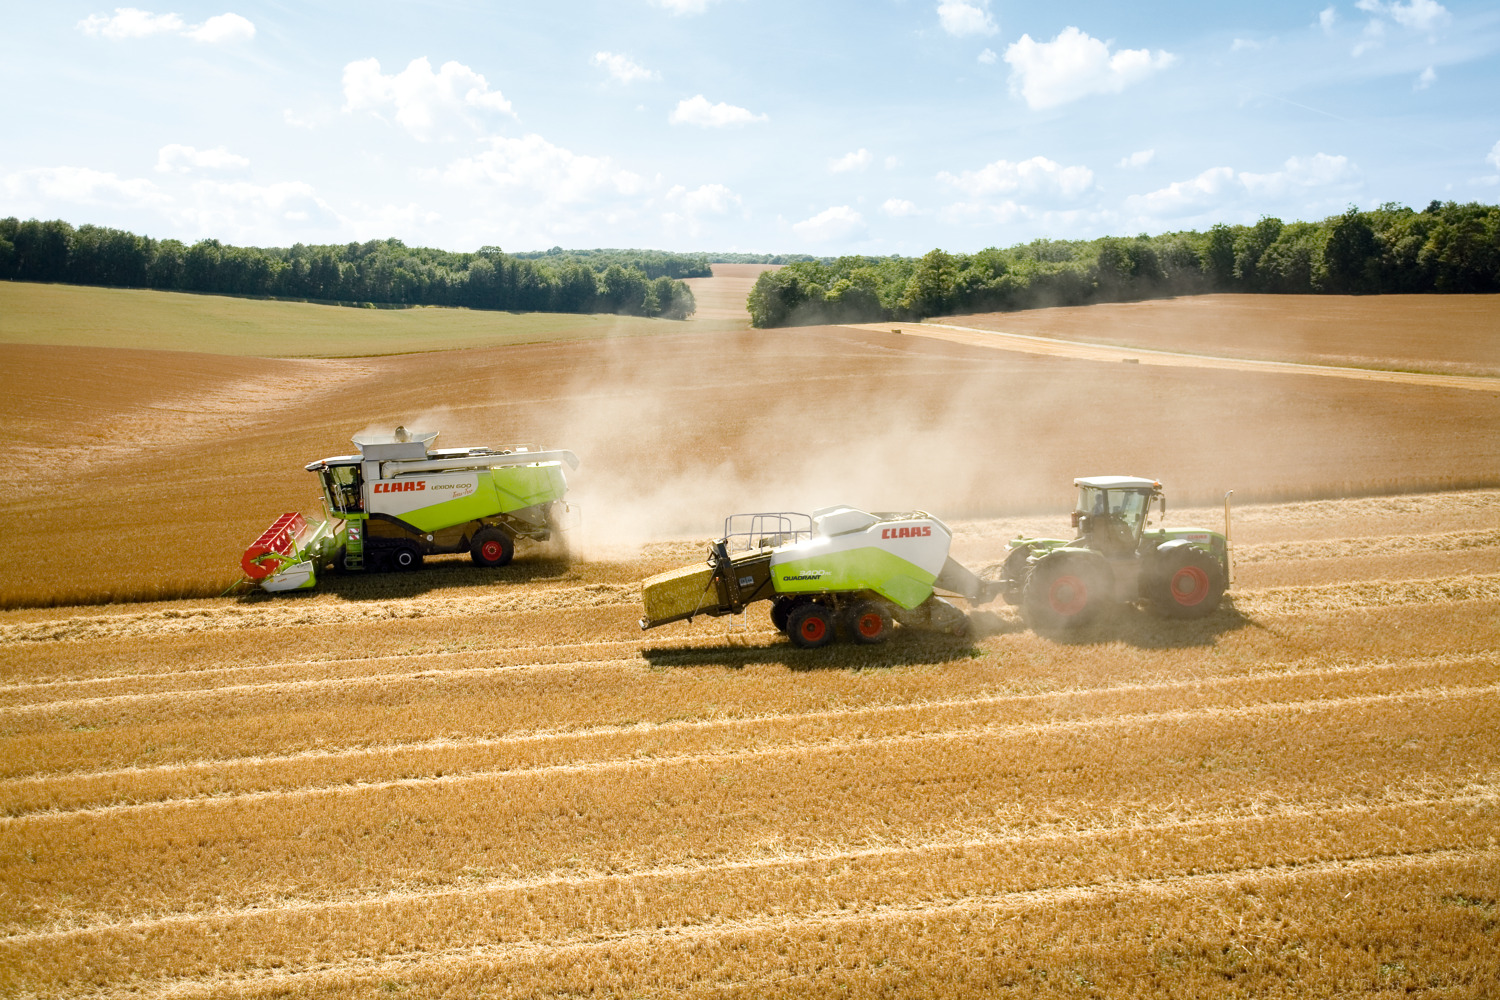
(697, 111)
(683, 6)
(689, 207)
(988, 57)
(1327, 18)
(1035, 177)
(1075, 65)
(422, 99)
(535, 168)
(837, 223)
(1219, 188)
(1494, 158)
(296, 120)
(1418, 15)
(622, 68)
(176, 158)
(961, 18)
(79, 186)
(857, 160)
(1427, 78)
(1137, 160)
(130, 22)
(1241, 44)
(892, 162)
(241, 209)
(898, 208)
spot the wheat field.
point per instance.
(461, 783)
(509, 790)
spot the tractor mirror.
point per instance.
(1077, 516)
(1163, 499)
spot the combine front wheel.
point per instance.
(810, 626)
(491, 547)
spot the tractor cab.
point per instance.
(1112, 510)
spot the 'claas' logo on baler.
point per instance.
(916, 531)
(401, 487)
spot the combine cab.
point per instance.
(400, 499)
(836, 570)
(1117, 558)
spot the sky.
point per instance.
(764, 126)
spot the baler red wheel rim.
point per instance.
(813, 628)
(1189, 586)
(1068, 594)
(870, 624)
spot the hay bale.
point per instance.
(679, 592)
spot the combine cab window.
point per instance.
(342, 483)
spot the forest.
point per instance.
(379, 272)
(1446, 247)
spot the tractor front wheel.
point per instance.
(1065, 592)
(491, 547)
(1187, 584)
(867, 623)
(810, 626)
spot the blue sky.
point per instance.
(887, 126)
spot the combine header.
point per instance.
(400, 499)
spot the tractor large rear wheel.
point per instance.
(1065, 592)
(1187, 583)
(810, 626)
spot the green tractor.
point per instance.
(1117, 558)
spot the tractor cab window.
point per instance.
(1113, 518)
(342, 483)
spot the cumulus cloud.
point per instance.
(988, 57)
(131, 22)
(1218, 187)
(961, 18)
(1426, 79)
(689, 207)
(176, 158)
(1494, 158)
(421, 99)
(1242, 44)
(540, 170)
(1137, 160)
(1327, 18)
(857, 160)
(837, 223)
(80, 186)
(1036, 177)
(697, 111)
(622, 68)
(683, 6)
(898, 208)
(1074, 65)
(1417, 15)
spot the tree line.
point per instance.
(1446, 247)
(384, 272)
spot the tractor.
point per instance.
(1117, 558)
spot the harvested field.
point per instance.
(465, 783)
(723, 296)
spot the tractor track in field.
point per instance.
(1020, 901)
(794, 748)
(1051, 347)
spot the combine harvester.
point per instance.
(400, 499)
(837, 568)
(841, 569)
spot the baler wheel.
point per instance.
(1189, 583)
(491, 547)
(867, 623)
(810, 626)
(780, 608)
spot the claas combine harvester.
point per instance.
(845, 570)
(400, 499)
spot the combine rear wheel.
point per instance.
(867, 623)
(491, 547)
(405, 557)
(810, 626)
(1065, 592)
(1188, 583)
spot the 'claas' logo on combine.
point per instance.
(402, 487)
(917, 531)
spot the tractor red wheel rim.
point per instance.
(1068, 595)
(490, 550)
(814, 628)
(870, 624)
(1189, 586)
